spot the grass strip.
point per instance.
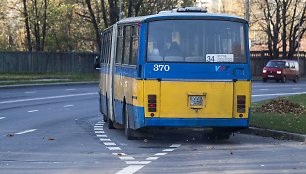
(295, 123)
(34, 78)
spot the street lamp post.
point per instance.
(120, 10)
(247, 10)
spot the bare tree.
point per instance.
(27, 26)
(280, 20)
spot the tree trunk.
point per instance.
(112, 11)
(284, 34)
(26, 20)
(104, 14)
(44, 27)
(95, 25)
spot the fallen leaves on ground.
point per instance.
(281, 106)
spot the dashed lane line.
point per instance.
(33, 111)
(66, 106)
(134, 165)
(26, 131)
(71, 89)
(2, 118)
(30, 92)
(47, 98)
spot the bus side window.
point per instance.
(109, 44)
(119, 46)
(127, 42)
(134, 46)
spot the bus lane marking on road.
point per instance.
(134, 165)
(130, 169)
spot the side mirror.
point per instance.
(97, 63)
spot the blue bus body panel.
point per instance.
(200, 71)
(196, 122)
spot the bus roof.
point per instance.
(181, 15)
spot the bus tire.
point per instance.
(127, 130)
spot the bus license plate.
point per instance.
(196, 101)
(270, 75)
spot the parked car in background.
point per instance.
(281, 70)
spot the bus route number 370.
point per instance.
(158, 67)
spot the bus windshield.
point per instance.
(201, 41)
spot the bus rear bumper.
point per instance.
(197, 122)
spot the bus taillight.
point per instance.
(241, 99)
(152, 103)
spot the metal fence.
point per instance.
(82, 62)
(62, 62)
(260, 58)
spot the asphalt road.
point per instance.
(58, 129)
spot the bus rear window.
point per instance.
(200, 41)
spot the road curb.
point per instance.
(282, 135)
(47, 84)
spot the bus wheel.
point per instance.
(264, 80)
(110, 123)
(127, 130)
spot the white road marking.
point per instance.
(26, 131)
(152, 158)
(30, 92)
(66, 106)
(114, 148)
(175, 145)
(33, 111)
(109, 144)
(130, 169)
(99, 132)
(2, 118)
(137, 162)
(263, 89)
(296, 88)
(71, 89)
(46, 98)
(168, 150)
(278, 94)
(126, 158)
(160, 154)
(134, 166)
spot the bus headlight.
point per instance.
(264, 71)
(278, 72)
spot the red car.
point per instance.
(281, 70)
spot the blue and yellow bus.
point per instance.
(181, 68)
